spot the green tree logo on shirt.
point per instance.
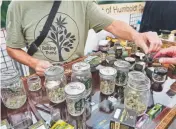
(61, 37)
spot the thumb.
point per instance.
(167, 60)
(145, 48)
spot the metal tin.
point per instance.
(75, 98)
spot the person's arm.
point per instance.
(21, 56)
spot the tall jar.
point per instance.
(12, 89)
(137, 92)
(55, 82)
(107, 80)
(81, 73)
(75, 98)
(122, 68)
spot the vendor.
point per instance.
(67, 35)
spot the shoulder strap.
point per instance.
(34, 46)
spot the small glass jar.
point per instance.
(122, 68)
(55, 82)
(34, 83)
(107, 80)
(110, 60)
(81, 73)
(159, 77)
(13, 93)
(118, 52)
(75, 98)
(165, 34)
(137, 92)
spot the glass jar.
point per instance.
(137, 92)
(34, 83)
(12, 89)
(81, 73)
(110, 60)
(118, 52)
(159, 77)
(107, 80)
(122, 68)
(55, 82)
(75, 98)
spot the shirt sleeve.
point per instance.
(98, 19)
(15, 37)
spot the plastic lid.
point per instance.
(119, 47)
(122, 64)
(108, 71)
(81, 66)
(74, 88)
(9, 76)
(130, 59)
(54, 71)
(160, 70)
(165, 31)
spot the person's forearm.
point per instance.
(22, 57)
(122, 30)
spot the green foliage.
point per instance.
(4, 8)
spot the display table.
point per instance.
(43, 108)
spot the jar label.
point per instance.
(88, 83)
(79, 105)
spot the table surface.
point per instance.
(43, 107)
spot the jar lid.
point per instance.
(74, 88)
(80, 66)
(130, 59)
(108, 71)
(54, 71)
(160, 70)
(165, 31)
(119, 47)
(122, 64)
(9, 76)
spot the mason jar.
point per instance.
(107, 80)
(75, 98)
(81, 73)
(122, 68)
(13, 93)
(34, 83)
(55, 82)
(137, 92)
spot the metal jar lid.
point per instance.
(80, 66)
(54, 71)
(9, 77)
(160, 70)
(108, 71)
(122, 64)
(75, 89)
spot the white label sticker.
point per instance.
(117, 113)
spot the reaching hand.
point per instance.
(41, 66)
(168, 55)
(148, 41)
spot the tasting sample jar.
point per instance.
(12, 89)
(137, 92)
(34, 83)
(107, 80)
(55, 82)
(81, 73)
(118, 52)
(122, 68)
(75, 98)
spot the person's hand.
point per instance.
(41, 66)
(167, 55)
(148, 41)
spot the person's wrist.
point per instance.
(33, 62)
(135, 36)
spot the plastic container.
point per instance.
(81, 73)
(107, 80)
(137, 92)
(122, 68)
(75, 98)
(55, 82)
(13, 93)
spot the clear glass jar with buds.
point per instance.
(13, 93)
(55, 82)
(137, 92)
(107, 80)
(81, 73)
(75, 98)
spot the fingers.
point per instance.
(166, 52)
(145, 48)
(167, 60)
(154, 41)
